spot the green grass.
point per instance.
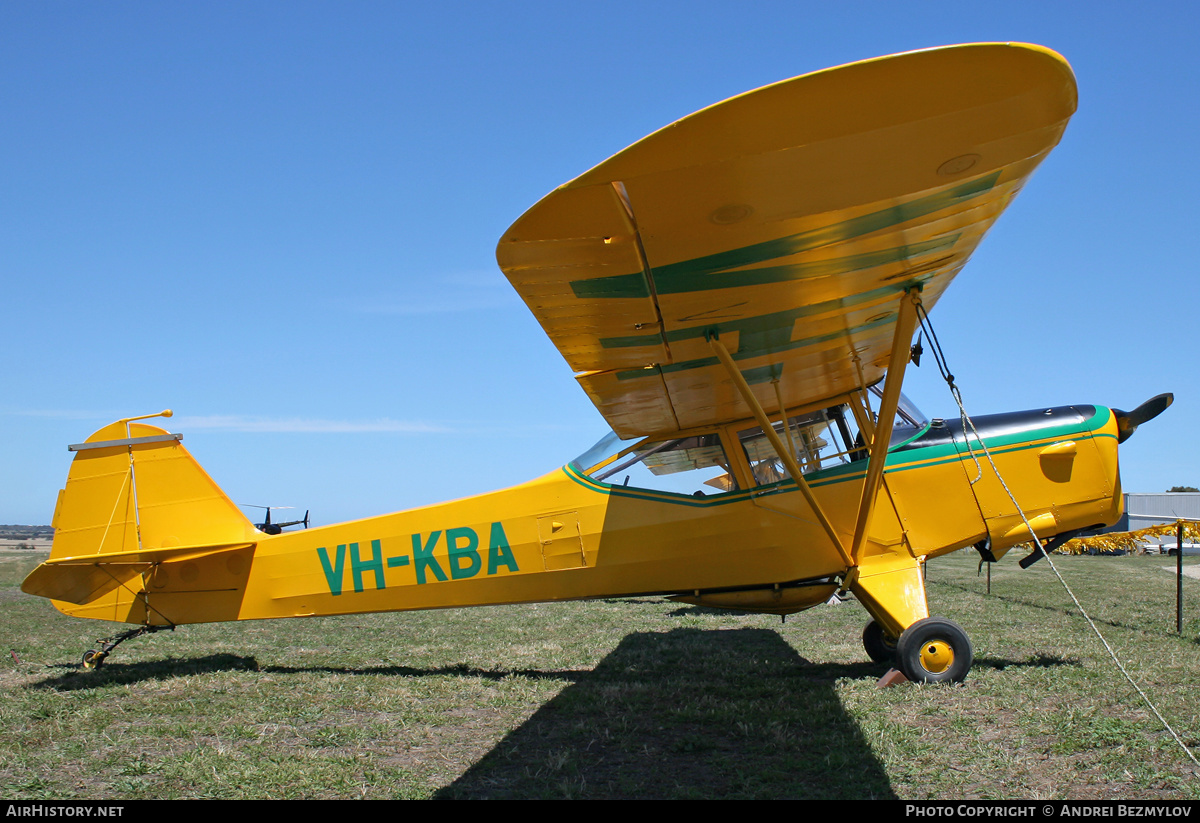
(634, 698)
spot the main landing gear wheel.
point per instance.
(880, 647)
(934, 650)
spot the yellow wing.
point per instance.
(788, 221)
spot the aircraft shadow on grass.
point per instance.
(731, 713)
(73, 677)
(688, 713)
(76, 678)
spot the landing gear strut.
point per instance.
(94, 658)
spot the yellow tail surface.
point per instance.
(136, 504)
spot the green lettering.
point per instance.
(423, 557)
(467, 552)
(359, 567)
(333, 573)
(499, 554)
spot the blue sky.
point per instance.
(279, 220)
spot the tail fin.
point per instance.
(138, 492)
(134, 498)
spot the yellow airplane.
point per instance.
(737, 293)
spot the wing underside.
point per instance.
(788, 222)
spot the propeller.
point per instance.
(1127, 422)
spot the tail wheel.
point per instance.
(934, 650)
(880, 647)
(93, 659)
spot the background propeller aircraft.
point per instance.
(737, 294)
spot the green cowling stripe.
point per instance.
(902, 459)
(698, 274)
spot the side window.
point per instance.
(823, 439)
(817, 440)
(696, 466)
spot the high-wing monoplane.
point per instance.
(737, 293)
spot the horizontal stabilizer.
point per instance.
(81, 580)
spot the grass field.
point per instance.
(634, 698)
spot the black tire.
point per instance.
(93, 659)
(880, 647)
(934, 650)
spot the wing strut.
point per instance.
(789, 460)
(860, 403)
(906, 321)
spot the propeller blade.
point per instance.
(1127, 422)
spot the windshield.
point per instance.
(908, 416)
(605, 451)
(695, 465)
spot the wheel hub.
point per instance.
(937, 656)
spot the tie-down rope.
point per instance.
(939, 357)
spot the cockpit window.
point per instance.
(823, 439)
(807, 436)
(698, 465)
(695, 465)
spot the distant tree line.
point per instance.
(12, 531)
(1182, 489)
